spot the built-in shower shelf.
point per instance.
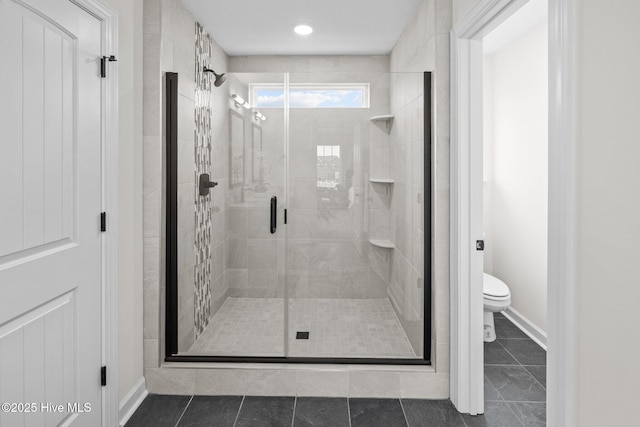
(386, 117)
(387, 244)
(382, 180)
(384, 122)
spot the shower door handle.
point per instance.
(274, 213)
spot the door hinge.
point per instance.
(103, 222)
(479, 245)
(103, 376)
(285, 216)
(103, 64)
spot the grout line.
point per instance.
(502, 364)
(510, 354)
(520, 339)
(464, 422)
(518, 365)
(239, 409)
(349, 411)
(506, 365)
(539, 383)
(514, 338)
(406, 420)
(293, 417)
(516, 415)
(183, 411)
(525, 337)
(402, 327)
(523, 367)
(509, 402)
(486, 378)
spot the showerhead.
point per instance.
(220, 78)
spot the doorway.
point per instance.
(467, 265)
(515, 198)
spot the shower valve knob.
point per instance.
(205, 184)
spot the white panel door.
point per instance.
(50, 200)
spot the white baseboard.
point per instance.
(535, 333)
(131, 401)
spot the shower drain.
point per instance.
(302, 335)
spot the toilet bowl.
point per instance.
(496, 298)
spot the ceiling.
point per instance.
(342, 27)
(528, 17)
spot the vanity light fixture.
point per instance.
(239, 101)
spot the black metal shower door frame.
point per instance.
(171, 238)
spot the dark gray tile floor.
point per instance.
(515, 380)
(515, 395)
(253, 411)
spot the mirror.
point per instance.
(236, 149)
(256, 149)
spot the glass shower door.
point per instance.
(238, 286)
(342, 157)
(355, 249)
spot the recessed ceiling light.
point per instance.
(303, 29)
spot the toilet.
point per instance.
(496, 299)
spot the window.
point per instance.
(335, 95)
(329, 166)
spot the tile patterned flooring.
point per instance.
(254, 411)
(515, 395)
(337, 328)
(515, 370)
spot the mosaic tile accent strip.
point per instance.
(203, 137)
(337, 328)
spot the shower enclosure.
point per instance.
(298, 219)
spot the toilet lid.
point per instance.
(494, 287)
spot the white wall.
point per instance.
(130, 193)
(607, 212)
(516, 170)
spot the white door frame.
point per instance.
(109, 149)
(466, 150)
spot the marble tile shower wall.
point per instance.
(328, 248)
(251, 264)
(423, 46)
(169, 35)
(328, 253)
(406, 158)
(188, 267)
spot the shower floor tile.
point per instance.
(244, 327)
(367, 328)
(347, 328)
